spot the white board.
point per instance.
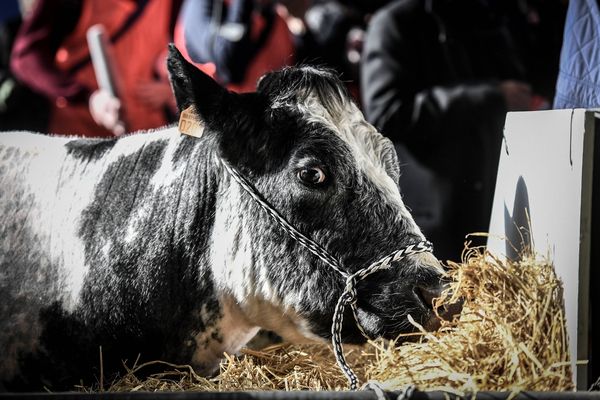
(546, 166)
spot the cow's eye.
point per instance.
(312, 176)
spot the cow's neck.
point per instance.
(145, 235)
(194, 201)
(221, 324)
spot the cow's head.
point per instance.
(307, 148)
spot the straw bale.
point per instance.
(510, 336)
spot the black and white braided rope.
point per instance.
(349, 295)
(305, 241)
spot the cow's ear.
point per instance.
(234, 119)
(193, 87)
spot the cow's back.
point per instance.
(48, 185)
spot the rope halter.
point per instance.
(349, 295)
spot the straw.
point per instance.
(510, 336)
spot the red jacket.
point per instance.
(56, 62)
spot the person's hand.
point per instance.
(518, 95)
(155, 94)
(106, 111)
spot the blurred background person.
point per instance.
(334, 37)
(20, 107)
(51, 56)
(438, 77)
(236, 41)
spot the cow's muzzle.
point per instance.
(428, 297)
(427, 294)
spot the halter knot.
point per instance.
(349, 293)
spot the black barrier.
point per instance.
(299, 395)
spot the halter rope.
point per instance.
(349, 295)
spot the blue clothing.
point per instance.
(578, 84)
(203, 21)
(10, 10)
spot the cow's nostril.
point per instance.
(449, 311)
(428, 294)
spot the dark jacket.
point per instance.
(429, 82)
(430, 70)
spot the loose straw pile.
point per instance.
(278, 367)
(510, 336)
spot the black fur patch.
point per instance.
(89, 149)
(116, 195)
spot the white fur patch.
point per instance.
(167, 171)
(57, 204)
(235, 273)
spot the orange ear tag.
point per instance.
(190, 124)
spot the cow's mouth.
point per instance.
(427, 297)
(392, 322)
(389, 319)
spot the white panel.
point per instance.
(546, 161)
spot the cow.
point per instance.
(144, 246)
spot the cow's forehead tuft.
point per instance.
(291, 86)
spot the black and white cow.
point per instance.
(144, 245)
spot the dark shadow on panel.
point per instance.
(517, 226)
